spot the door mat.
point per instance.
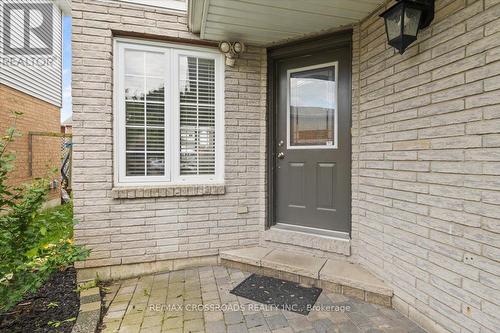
(281, 294)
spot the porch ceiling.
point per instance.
(269, 22)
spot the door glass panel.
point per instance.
(312, 112)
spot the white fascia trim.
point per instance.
(64, 6)
(196, 15)
(204, 16)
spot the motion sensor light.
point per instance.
(238, 47)
(224, 47)
(232, 51)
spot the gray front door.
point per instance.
(312, 143)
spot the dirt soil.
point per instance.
(56, 301)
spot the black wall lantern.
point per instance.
(404, 19)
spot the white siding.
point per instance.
(44, 82)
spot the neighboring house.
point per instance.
(67, 126)
(321, 140)
(30, 83)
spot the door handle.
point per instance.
(281, 155)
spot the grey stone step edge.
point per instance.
(89, 314)
(384, 299)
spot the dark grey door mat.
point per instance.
(282, 294)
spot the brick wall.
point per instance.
(141, 230)
(38, 116)
(426, 165)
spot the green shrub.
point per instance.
(33, 243)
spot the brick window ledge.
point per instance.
(167, 191)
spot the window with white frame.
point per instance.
(168, 113)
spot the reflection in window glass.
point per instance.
(312, 107)
(197, 116)
(145, 113)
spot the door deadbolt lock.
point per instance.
(280, 144)
(281, 155)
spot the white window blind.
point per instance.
(197, 116)
(145, 113)
(169, 114)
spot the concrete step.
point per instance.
(322, 242)
(335, 275)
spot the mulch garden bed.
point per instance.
(53, 308)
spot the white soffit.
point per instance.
(268, 22)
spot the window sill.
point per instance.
(163, 191)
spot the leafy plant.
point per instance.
(56, 323)
(33, 243)
(52, 305)
(87, 285)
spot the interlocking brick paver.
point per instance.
(255, 320)
(114, 315)
(323, 326)
(348, 327)
(259, 329)
(277, 321)
(213, 316)
(215, 326)
(138, 308)
(159, 303)
(132, 328)
(238, 328)
(174, 322)
(174, 330)
(191, 315)
(194, 325)
(111, 327)
(152, 321)
(283, 330)
(300, 324)
(155, 329)
(233, 317)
